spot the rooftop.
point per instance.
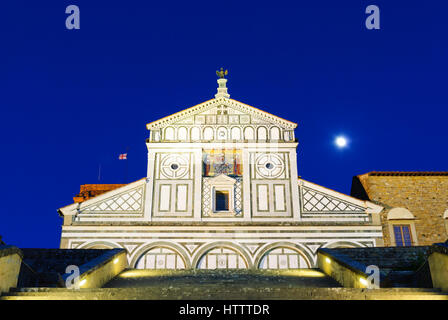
(406, 173)
(92, 190)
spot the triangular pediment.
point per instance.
(213, 111)
(222, 179)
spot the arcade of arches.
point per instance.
(220, 257)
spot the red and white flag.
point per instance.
(123, 156)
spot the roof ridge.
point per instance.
(406, 173)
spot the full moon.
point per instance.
(341, 142)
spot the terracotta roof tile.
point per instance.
(407, 173)
(92, 190)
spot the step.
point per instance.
(224, 288)
(146, 278)
(248, 297)
(202, 293)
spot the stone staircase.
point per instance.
(222, 285)
(227, 293)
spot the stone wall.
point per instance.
(425, 195)
(47, 267)
(99, 271)
(346, 272)
(397, 258)
(10, 260)
(398, 266)
(438, 263)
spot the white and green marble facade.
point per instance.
(273, 220)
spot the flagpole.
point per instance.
(126, 169)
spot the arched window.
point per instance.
(222, 258)
(160, 258)
(283, 258)
(401, 227)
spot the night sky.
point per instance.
(74, 99)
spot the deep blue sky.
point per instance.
(71, 99)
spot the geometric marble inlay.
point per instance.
(314, 201)
(128, 201)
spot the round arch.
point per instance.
(99, 245)
(299, 249)
(222, 134)
(195, 134)
(249, 133)
(262, 133)
(205, 249)
(275, 133)
(169, 134)
(343, 244)
(208, 133)
(182, 134)
(400, 214)
(160, 244)
(235, 133)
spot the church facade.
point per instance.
(221, 191)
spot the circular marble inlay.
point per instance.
(270, 165)
(174, 166)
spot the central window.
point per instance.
(222, 196)
(222, 200)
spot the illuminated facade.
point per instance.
(222, 191)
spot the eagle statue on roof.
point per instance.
(221, 74)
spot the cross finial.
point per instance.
(222, 73)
